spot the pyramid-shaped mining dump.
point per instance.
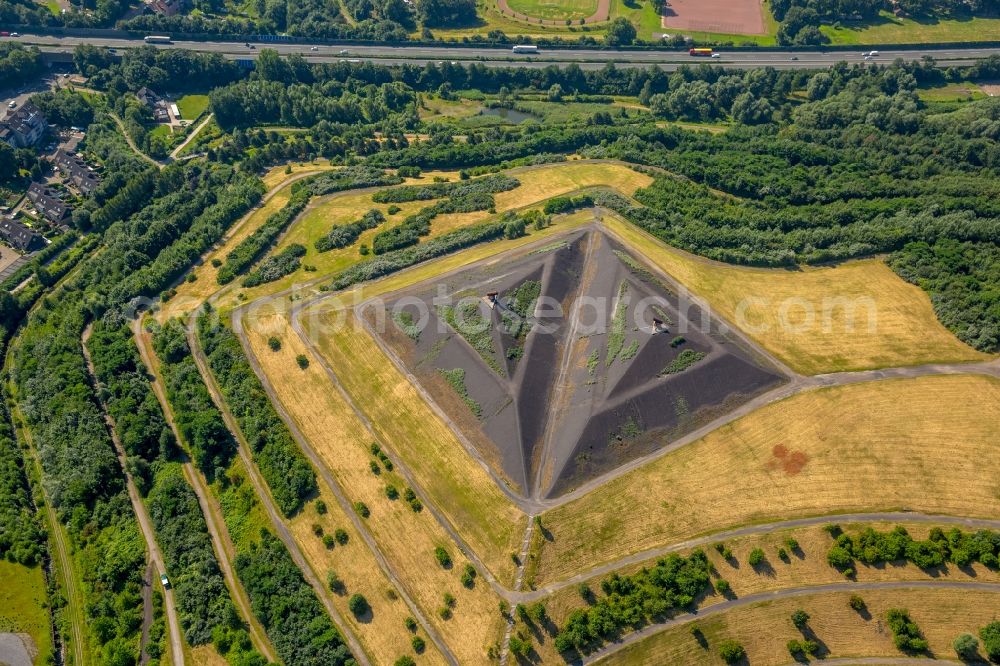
(562, 362)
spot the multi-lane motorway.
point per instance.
(503, 57)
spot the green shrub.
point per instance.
(302, 360)
(274, 343)
(358, 605)
(418, 644)
(966, 647)
(990, 635)
(731, 651)
(442, 556)
(362, 509)
(800, 618)
(905, 632)
(756, 557)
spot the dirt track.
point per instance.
(221, 541)
(739, 17)
(141, 515)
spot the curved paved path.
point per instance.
(750, 599)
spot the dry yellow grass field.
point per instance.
(807, 567)
(924, 444)
(406, 538)
(206, 655)
(458, 486)
(383, 634)
(764, 629)
(894, 323)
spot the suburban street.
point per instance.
(501, 56)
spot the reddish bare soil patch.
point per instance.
(737, 17)
(791, 462)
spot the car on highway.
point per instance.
(716, 55)
(314, 48)
(342, 52)
(794, 58)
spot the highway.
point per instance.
(503, 57)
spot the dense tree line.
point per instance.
(462, 197)
(195, 414)
(397, 260)
(301, 631)
(276, 266)
(22, 539)
(872, 548)
(18, 65)
(631, 601)
(282, 464)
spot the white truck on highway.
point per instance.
(525, 48)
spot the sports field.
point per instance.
(740, 17)
(916, 444)
(763, 629)
(555, 9)
(855, 316)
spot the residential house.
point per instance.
(165, 7)
(155, 104)
(47, 202)
(77, 172)
(19, 236)
(24, 127)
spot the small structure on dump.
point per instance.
(491, 298)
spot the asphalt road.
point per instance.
(503, 57)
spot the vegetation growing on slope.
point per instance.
(286, 470)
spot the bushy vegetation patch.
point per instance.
(905, 632)
(456, 378)
(616, 332)
(342, 235)
(293, 617)
(274, 268)
(468, 321)
(629, 602)
(21, 536)
(683, 361)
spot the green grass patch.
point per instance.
(616, 336)
(23, 606)
(889, 29)
(192, 106)
(630, 350)
(952, 92)
(684, 360)
(456, 377)
(555, 9)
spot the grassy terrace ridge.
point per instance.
(764, 628)
(905, 329)
(916, 444)
(406, 538)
